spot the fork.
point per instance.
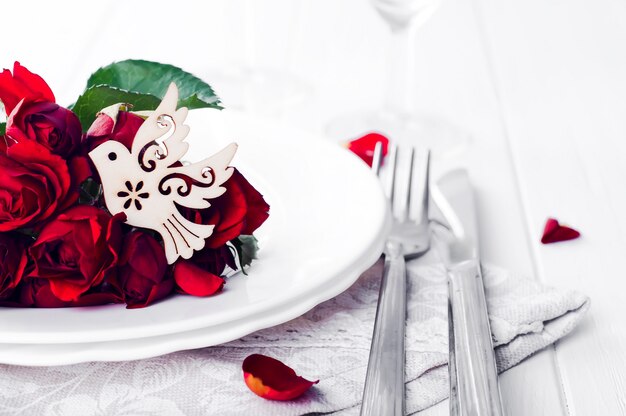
(384, 383)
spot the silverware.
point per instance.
(409, 238)
(473, 375)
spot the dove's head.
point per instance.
(111, 156)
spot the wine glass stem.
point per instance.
(401, 69)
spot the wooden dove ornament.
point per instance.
(147, 185)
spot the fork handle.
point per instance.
(384, 383)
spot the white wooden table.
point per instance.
(540, 86)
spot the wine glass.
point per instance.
(395, 119)
(251, 82)
(249, 88)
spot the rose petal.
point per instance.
(66, 290)
(33, 82)
(364, 146)
(271, 379)
(22, 85)
(555, 232)
(195, 281)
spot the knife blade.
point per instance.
(474, 386)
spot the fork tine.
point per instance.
(377, 159)
(393, 159)
(409, 185)
(424, 218)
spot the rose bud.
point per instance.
(13, 261)
(271, 379)
(35, 185)
(142, 270)
(22, 85)
(240, 210)
(113, 124)
(195, 281)
(364, 146)
(76, 251)
(54, 127)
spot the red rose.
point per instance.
(240, 210)
(76, 251)
(13, 261)
(143, 270)
(22, 85)
(35, 185)
(122, 128)
(51, 125)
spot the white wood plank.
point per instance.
(521, 384)
(560, 75)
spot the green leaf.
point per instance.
(90, 192)
(98, 97)
(247, 248)
(29, 232)
(3, 128)
(141, 84)
(153, 78)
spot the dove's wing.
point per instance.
(150, 145)
(193, 185)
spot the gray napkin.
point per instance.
(330, 343)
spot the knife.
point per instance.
(474, 386)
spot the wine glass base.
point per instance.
(440, 136)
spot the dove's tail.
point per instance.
(181, 237)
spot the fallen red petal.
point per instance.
(271, 379)
(555, 232)
(364, 146)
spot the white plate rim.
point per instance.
(147, 347)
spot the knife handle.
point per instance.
(383, 394)
(474, 386)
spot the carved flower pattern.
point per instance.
(133, 194)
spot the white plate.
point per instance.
(328, 221)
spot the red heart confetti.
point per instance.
(555, 232)
(271, 379)
(364, 146)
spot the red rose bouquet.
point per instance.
(59, 244)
